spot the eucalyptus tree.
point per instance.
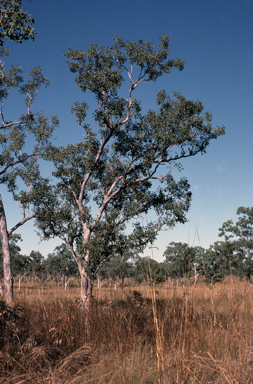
(179, 260)
(36, 267)
(239, 236)
(220, 261)
(120, 266)
(19, 169)
(61, 266)
(117, 171)
(20, 266)
(148, 270)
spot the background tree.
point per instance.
(239, 237)
(220, 261)
(119, 266)
(147, 270)
(20, 266)
(36, 268)
(19, 169)
(61, 266)
(179, 260)
(113, 175)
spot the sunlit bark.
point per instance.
(8, 281)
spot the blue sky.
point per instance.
(214, 38)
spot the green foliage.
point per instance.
(20, 265)
(15, 163)
(19, 169)
(239, 236)
(179, 260)
(8, 317)
(220, 261)
(121, 266)
(148, 270)
(60, 263)
(9, 314)
(15, 24)
(36, 266)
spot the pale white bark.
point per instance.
(99, 282)
(196, 274)
(114, 283)
(8, 281)
(1, 288)
(86, 286)
(20, 277)
(67, 281)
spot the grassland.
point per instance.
(166, 335)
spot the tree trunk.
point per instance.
(8, 281)
(86, 287)
(1, 288)
(67, 281)
(20, 278)
(114, 283)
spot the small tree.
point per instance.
(119, 266)
(20, 265)
(239, 239)
(61, 266)
(179, 260)
(219, 262)
(111, 177)
(35, 265)
(148, 270)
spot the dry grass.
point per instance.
(206, 336)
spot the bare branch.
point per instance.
(24, 220)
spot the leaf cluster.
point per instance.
(15, 24)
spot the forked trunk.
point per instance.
(67, 281)
(8, 281)
(20, 277)
(86, 287)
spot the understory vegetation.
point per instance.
(141, 334)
